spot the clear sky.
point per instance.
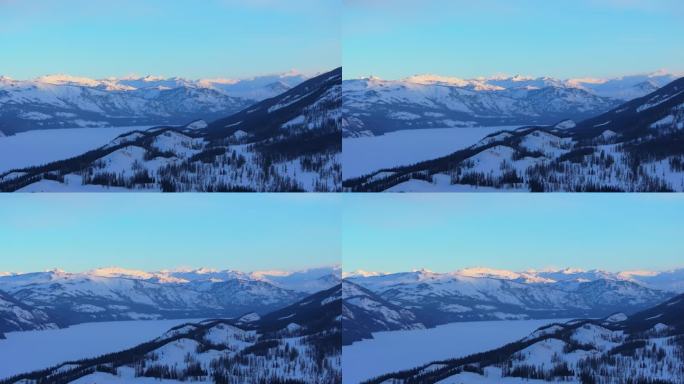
(188, 38)
(253, 231)
(450, 231)
(465, 38)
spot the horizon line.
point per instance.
(171, 270)
(544, 269)
(136, 76)
(505, 75)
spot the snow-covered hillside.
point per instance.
(375, 106)
(643, 348)
(637, 146)
(16, 316)
(290, 142)
(56, 298)
(60, 101)
(422, 298)
(364, 312)
(300, 343)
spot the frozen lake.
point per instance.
(399, 350)
(43, 146)
(363, 155)
(28, 351)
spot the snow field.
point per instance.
(363, 155)
(399, 350)
(76, 342)
(43, 146)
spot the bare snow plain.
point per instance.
(363, 155)
(400, 350)
(28, 351)
(46, 145)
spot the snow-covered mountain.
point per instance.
(638, 146)
(625, 87)
(423, 298)
(375, 106)
(364, 312)
(300, 343)
(310, 280)
(16, 316)
(645, 347)
(62, 101)
(58, 298)
(672, 281)
(668, 280)
(290, 142)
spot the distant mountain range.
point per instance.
(289, 142)
(645, 347)
(298, 343)
(373, 106)
(52, 299)
(638, 146)
(386, 302)
(63, 101)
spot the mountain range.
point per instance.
(298, 343)
(373, 106)
(63, 101)
(289, 142)
(43, 300)
(645, 347)
(635, 147)
(422, 299)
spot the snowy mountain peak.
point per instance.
(362, 273)
(424, 273)
(630, 274)
(432, 79)
(57, 272)
(372, 78)
(488, 272)
(63, 79)
(150, 78)
(119, 272)
(519, 78)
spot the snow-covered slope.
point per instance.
(61, 101)
(300, 343)
(118, 294)
(290, 142)
(364, 312)
(638, 146)
(17, 316)
(643, 348)
(402, 300)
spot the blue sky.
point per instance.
(562, 38)
(247, 232)
(188, 38)
(446, 232)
